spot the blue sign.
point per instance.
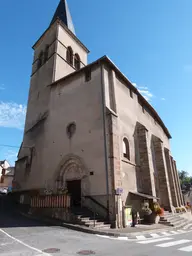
(119, 191)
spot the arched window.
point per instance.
(46, 53)
(77, 61)
(69, 55)
(40, 60)
(126, 152)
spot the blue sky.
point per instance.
(150, 41)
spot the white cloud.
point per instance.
(163, 99)
(146, 94)
(144, 91)
(143, 87)
(12, 115)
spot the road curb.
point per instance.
(132, 236)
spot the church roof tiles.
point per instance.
(62, 13)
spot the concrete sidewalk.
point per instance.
(140, 231)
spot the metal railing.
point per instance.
(51, 201)
(95, 213)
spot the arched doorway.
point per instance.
(73, 176)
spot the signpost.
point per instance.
(119, 191)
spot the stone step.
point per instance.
(167, 219)
(178, 222)
(188, 225)
(91, 221)
(168, 214)
(88, 219)
(185, 221)
(96, 223)
(163, 220)
(166, 223)
(174, 218)
(183, 224)
(104, 226)
(83, 218)
(91, 224)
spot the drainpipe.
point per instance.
(104, 134)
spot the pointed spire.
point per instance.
(64, 15)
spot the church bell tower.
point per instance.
(57, 53)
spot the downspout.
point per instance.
(104, 135)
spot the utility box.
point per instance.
(127, 218)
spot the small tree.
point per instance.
(185, 180)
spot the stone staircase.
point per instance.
(87, 218)
(174, 220)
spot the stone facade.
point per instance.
(5, 181)
(170, 171)
(164, 184)
(92, 125)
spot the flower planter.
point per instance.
(147, 219)
(154, 218)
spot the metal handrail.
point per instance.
(96, 202)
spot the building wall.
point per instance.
(38, 97)
(38, 108)
(64, 40)
(68, 40)
(138, 173)
(58, 39)
(5, 166)
(8, 181)
(76, 101)
(80, 102)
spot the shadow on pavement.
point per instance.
(10, 217)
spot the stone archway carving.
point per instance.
(72, 167)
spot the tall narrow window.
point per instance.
(2, 179)
(69, 55)
(126, 152)
(131, 93)
(46, 53)
(3, 172)
(77, 61)
(40, 60)
(87, 74)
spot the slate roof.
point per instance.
(10, 171)
(2, 162)
(62, 12)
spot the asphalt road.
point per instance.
(20, 236)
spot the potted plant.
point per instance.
(158, 212)
(146, 212)
(178, 210)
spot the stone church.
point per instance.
(90, 131)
